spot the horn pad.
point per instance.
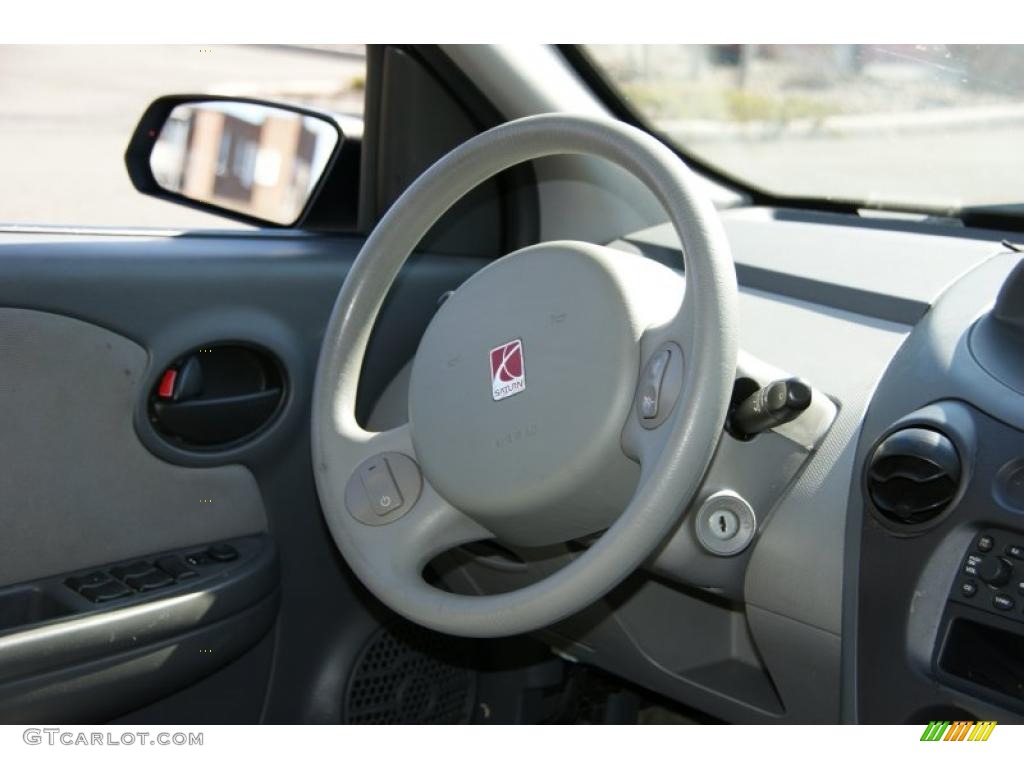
(520, 389)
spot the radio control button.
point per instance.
(995, 571)
(1003, 602)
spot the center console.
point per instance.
(938, 611)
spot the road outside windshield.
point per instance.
(936, 126)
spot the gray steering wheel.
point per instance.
(563, 390)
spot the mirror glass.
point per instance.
(249, 158)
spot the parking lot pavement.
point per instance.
(66, 113)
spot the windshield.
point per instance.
(921, 126)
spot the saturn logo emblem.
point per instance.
(508, 375)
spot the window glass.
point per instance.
(934, 127)
(67, 112)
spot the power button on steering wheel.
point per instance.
(383, 488)
(725, 524)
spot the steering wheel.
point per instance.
(564, 389)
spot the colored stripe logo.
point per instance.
(958, 730)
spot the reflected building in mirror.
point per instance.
(249, 159)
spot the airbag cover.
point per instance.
(531, 447)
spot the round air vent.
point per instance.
(913, 475)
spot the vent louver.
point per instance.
(913, 475)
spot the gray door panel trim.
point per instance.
(78, 488)
(270, 288)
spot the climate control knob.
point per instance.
(995, 571)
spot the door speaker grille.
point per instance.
(410, 675)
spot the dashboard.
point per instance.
(832, 609)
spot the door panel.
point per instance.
(88, 324)
(75, 476)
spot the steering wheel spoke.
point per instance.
(402, 549)
(412, 525)
(665, 382)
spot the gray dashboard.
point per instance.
(874, 313)
(764, 636)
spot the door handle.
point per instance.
(217, 420)
(216, 396)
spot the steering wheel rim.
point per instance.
(389, 557)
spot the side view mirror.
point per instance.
(255, 161)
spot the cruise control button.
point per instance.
(985, 544)
(968, 589)
(1003, 602)
(650, 384)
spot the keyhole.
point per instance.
(721, 523)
